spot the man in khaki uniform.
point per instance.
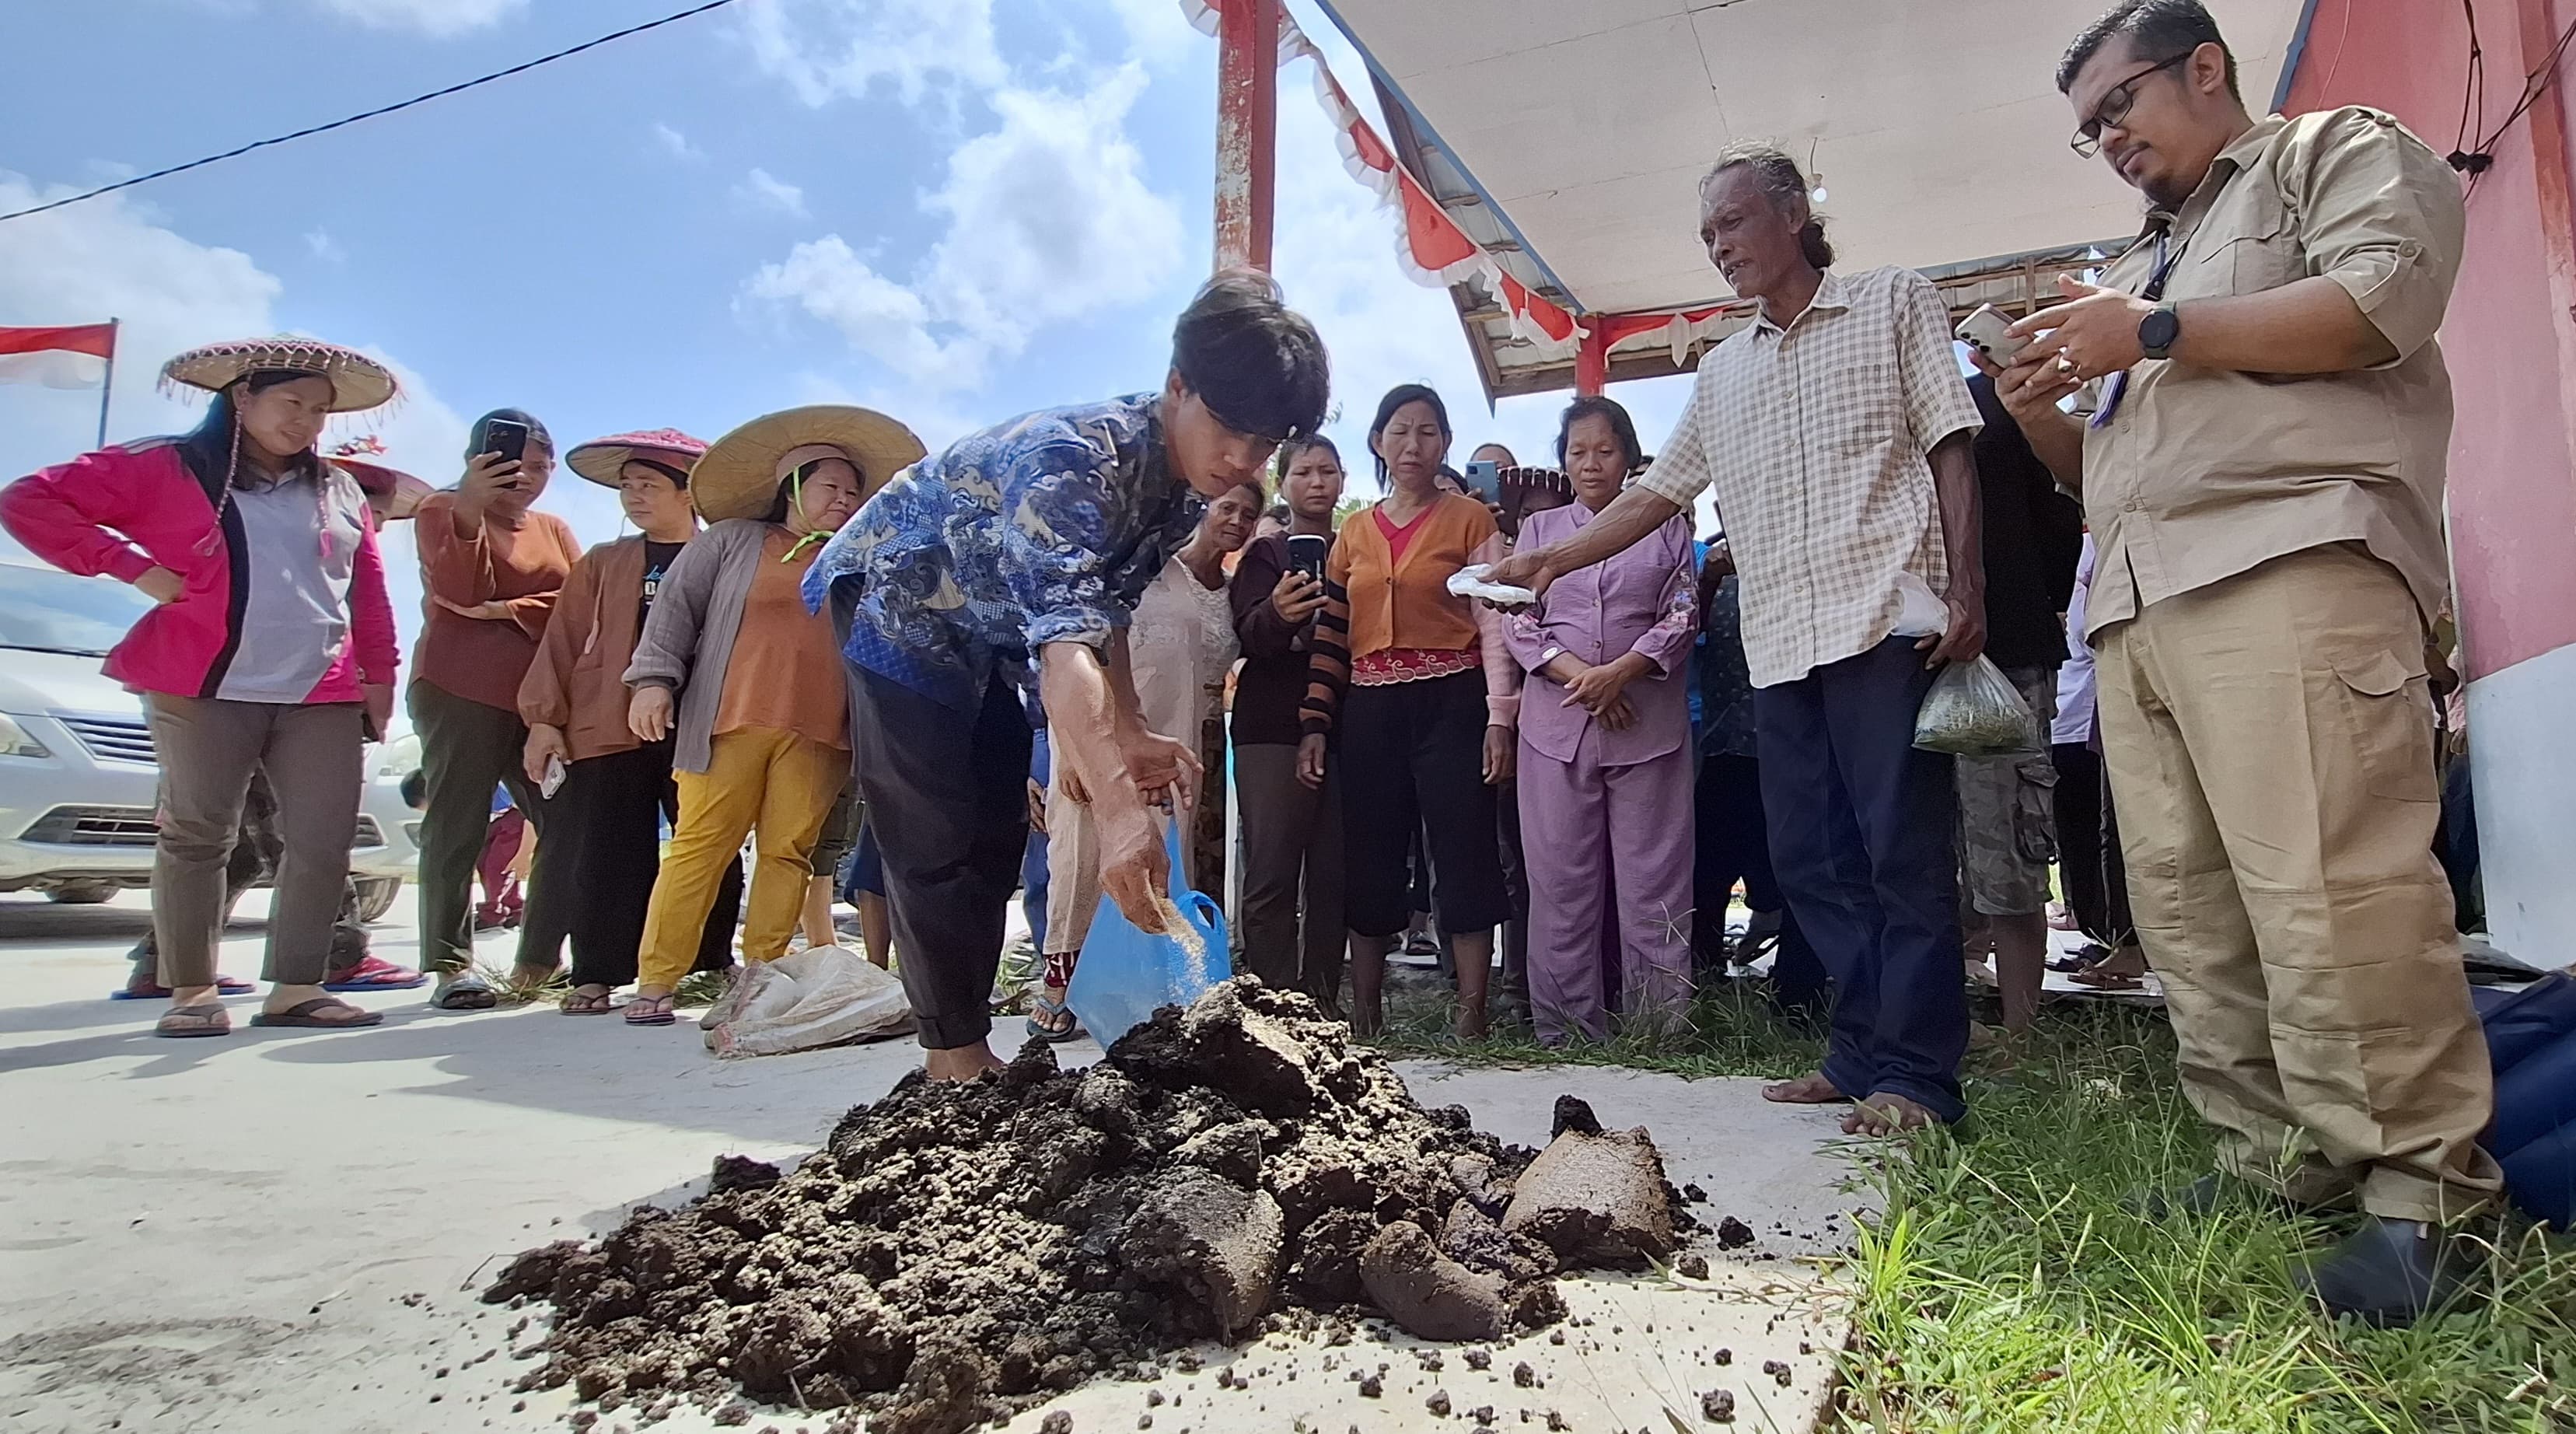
(2263, 476)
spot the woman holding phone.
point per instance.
(1292, 833)
(1419, 687)
(270, 647)
(746, 683)
(491, 566)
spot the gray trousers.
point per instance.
(209, 748)
(1292, 849)
(467, 750)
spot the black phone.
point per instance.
(506, 438)
(1306, 555)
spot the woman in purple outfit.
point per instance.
(1605, 760)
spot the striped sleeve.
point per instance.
(1328, 663)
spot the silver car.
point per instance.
(78, 787)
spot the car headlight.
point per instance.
(14, 741)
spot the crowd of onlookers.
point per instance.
(2191, 515)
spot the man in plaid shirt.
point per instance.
(1836, 432)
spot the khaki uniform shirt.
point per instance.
(2202, 474)
(1815, 439)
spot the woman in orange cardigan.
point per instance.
(1413, 691)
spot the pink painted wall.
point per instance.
(2508, 341)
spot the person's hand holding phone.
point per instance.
(1297, 598)
(488, 477)
(544, 741)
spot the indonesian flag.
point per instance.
(73, 357)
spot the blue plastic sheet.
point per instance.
(1124, 974)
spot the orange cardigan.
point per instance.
(1374, 602)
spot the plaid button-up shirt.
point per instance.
(1815, 439)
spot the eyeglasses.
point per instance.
(2114, 109)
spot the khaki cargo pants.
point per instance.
(2270, 742)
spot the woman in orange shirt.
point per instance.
(1413, 691)
(749, 681)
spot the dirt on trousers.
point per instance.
(957, 1253)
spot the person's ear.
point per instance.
(2209, 69)
(1175, 388)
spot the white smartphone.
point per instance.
(1986, 331)
(554, 778)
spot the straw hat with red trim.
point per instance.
(358, 382)
(602, 460)
(393, 493)
(740, 474)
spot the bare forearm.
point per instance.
(1628, 519)
(2058, 438)
(2311, 326)
(1954, 482)
(1077, 687)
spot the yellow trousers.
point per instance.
(776, 783)
(2270, 741)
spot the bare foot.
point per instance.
(1886, 1113)
(961, 1063)
(1805, 1090)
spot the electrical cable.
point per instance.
(312, 130)
(2475, 162)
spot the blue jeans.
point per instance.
(1033, 861)
(1861, 838)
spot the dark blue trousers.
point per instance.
(1861, 838)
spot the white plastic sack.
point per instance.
(1919, 613)
(818, 997)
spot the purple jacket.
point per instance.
(1640, 601)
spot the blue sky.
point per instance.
(956, 210)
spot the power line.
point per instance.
(371, 114)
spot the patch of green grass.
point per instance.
(2003, 1287)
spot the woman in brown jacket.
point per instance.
(614, 789)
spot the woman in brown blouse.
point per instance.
(748, 682)
(491, 566)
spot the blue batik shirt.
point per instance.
(1044, 529)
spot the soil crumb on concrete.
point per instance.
(957, 1253)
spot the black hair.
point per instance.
(679, 476)
(213, 448)
(478, 439)
(1622, 427)
(1397, 397)
(1785, 185)
(1293, 449)
(2157, 29)
(1258, 365)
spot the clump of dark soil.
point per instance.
(957, 1253)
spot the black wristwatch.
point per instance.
(2158, 330)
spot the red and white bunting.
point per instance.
(1431, 248)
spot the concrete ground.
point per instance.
(284, 1231)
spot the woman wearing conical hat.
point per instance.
(271, 646)
(614, 788)
(746, 683)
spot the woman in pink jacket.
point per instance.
(272, 646)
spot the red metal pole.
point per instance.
(1592, 361)
(1247, 118)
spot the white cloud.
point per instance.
(676, 144)
(763, 190)
(429, 17)
(825, 49)
(1046, 219)
(325, 248)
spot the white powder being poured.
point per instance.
(1186, 936)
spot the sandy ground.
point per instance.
(283, 1231)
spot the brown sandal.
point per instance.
(209, 1019)
(307, 1015)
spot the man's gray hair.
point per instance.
(1786, 187)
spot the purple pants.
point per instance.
(1591, 832)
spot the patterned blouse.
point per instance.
(1044, 529)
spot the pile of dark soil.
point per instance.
(958, 1253)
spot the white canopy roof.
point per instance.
(1568, 136)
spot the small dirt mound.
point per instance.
(957, 1253)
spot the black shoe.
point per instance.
(2391, 1273)
(2207, 1196)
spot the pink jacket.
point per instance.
(123, 511)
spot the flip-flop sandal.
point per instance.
(155, 991)
(377, 974)
(465, 993)
(2107, 980)
(642, 1011)
(307, 1016)
(189, 1021)
(2083, 958)
(1040, 1006)
(577, 1004)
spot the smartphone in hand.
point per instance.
(1988, 332)
(1306, 554)
(1484, 481)
(508, 440)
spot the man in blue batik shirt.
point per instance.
(1030, 542)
